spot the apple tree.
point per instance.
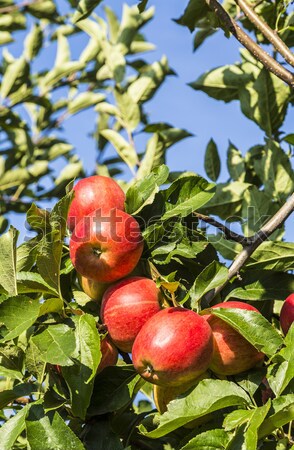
(51, 394)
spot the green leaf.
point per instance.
(125, 150)
(20, 390)
(50, 431)
(100, 436)
(63, 51)
(142, 5)
(187, 194)
(255, 210)
(142, 192)
(84, 100)
(51, 245)
(33, 42)
(251, 433)
(222, 83)
(253, 326)
(56, 344)
(5, 37)
(11, 361)
(14, 75)
(57, 73)
(227, 201)
(26, 255)
(277, 256)
(8, 261)
(281, 372)
(281, 413)
(84, 9)
(18, 176)
(129, 110)
(144, 87)
(10, 431)
(29, 282)
(212, 162)
(195, 11)
(235, 163)
(228, 249)
(265, 101)
(208, 396)
(208, 440)
(237, 418)
(214, 275)
(275, 171)
(51, 305)
(119, 385)
(80, 377)
(257, 285)
(17, 314)
(33, 361)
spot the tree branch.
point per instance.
(268, 62)
(272, 225)
(266, 30)
(225, 230)
(18, 6)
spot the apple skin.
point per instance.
(109, 354)
(125, 308)
(174, 347)
(93, 193)
(93, 289)
(106, 246)
(232, 354)
(287, 314)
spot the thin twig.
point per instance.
(267, 31)
(18, 6)
(268, 62)
(231, 235)
(272, 225)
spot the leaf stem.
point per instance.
(261, 55)
(272, 225)
(267, 31)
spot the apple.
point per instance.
(232, 354)
(174, 347)
(93, 289)
(126, 306)
(287, 314)
(106, 246)
(109, 354)
(92, 193)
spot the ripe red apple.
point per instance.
(126, 306)
(93, 289)
(287, 314)
(92, 193)
(232, 354)
(174, 347)
(109, 354)
(105, 246)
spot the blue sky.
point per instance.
(176, 102)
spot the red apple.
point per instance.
(174, 347)
(94, 193)
(126, 306)
(109, 354)
(287, 314)
(93, 289)
(232, 354)
(105, 246)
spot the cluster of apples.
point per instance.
(172, 347)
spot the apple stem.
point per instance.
(97, 252)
